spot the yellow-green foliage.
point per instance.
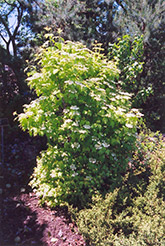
(134, 213)
(88, 121)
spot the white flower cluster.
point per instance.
(92, 160)
(74, 174)
(94, 138)
(46, 190)
(69, 82)
(72, 91)
(87, 127)
(130, 115)
(53, 174)
(65, 111)
(97, 97)
(129, 125)
(78, 83)
(104, 144)
(74, 108)
(101, 89)
(82, 131)
(66, 122)
(43, 174)
(75, 124)
(51, 192)
(99, 145)
(29, 113)
(73, 167)
(64, 154)
(75, 145)
(114, 156)
(75, 112)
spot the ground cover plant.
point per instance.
(88, 122)
(133, 214)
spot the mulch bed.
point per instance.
(26, 223)
(23, 222)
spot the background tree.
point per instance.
(81, 20)
(16, 35)
(139, 17)
(146, 17)
(16, 23)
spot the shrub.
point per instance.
(132, 214)
(142, 74)
(88, 122)
(128, 55)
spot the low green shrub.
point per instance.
(133, 214)
(88, 122)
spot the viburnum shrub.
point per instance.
(88, 122)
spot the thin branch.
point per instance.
(5, 25)
(11, 4)
(10, 11)
(11, 35)
(20, 14)
(3, 38)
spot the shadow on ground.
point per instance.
(18, 223)
(23, 221)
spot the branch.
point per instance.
(20, 14)
(11, 4)
(11, 35)
(10, 11)
(6, 26)
(3, 38)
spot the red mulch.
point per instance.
(23, 222)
